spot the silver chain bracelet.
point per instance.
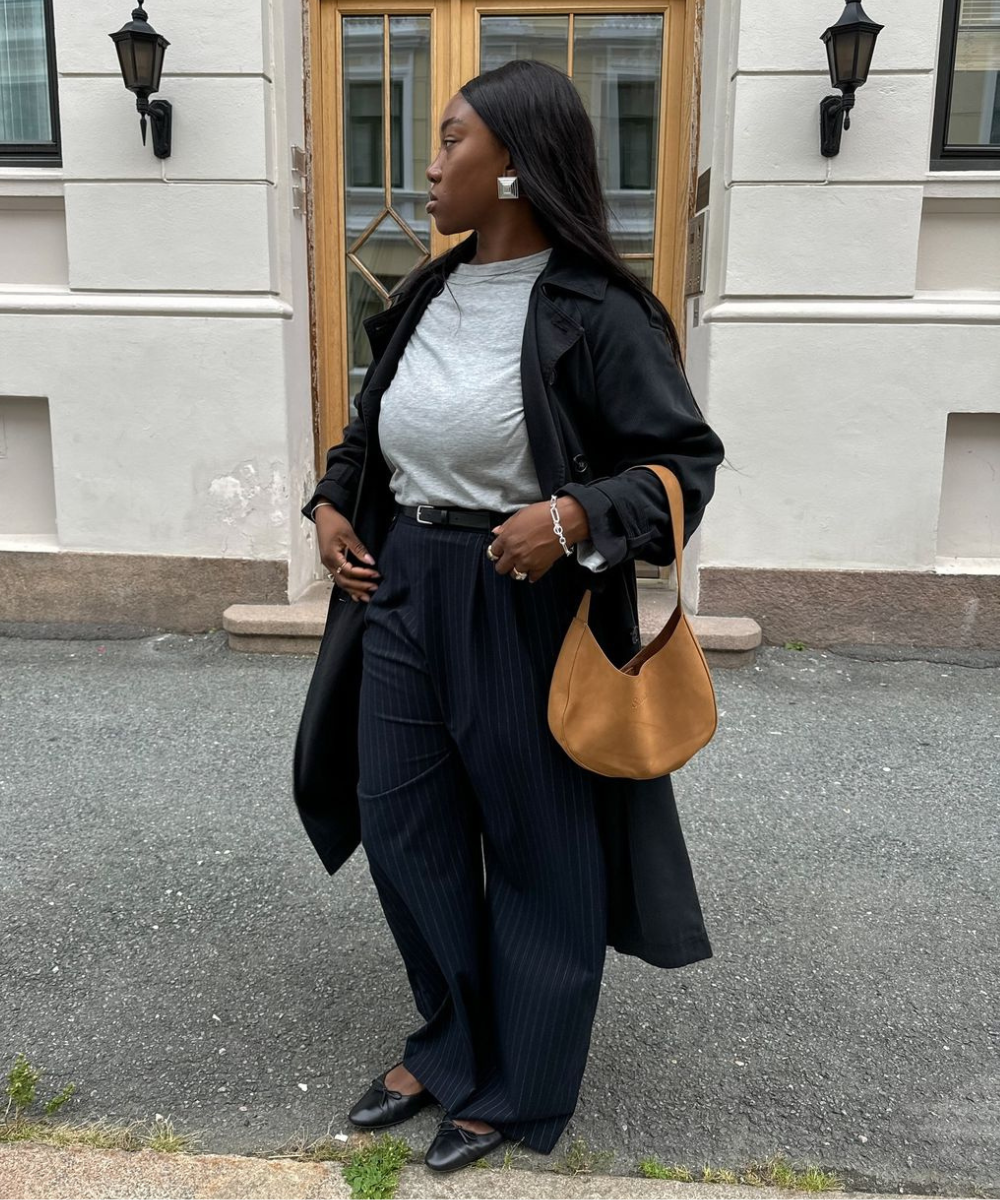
(557, 525)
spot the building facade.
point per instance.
(180, 336)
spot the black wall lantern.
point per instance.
(140, 55)
(849, 47)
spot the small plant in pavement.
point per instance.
(581, 1160)
(776, 1171)
(373, 1170)
(19, 1124)
(22, 1090)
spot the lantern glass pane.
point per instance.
(866, 47)
(831, 58)
(126, 60)
(158, 64)
(144, 52)
(845, 44)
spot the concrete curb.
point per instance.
(37, 1172)
(297, 628)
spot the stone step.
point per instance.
(297, 628)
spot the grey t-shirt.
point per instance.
(451, 423)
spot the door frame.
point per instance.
(454, 55)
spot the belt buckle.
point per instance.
(420, 520)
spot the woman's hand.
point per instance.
(527, 542)
(336, 536)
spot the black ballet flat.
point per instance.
(380, 1106)
(455, 1147)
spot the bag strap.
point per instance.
(676, 501)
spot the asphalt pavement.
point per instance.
(170, 943)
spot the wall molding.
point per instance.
(59, 302)
(887, 608)
(918, 310)
(147, 591)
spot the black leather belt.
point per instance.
(456, 518)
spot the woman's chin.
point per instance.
(448, 227)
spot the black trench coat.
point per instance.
(602, 392)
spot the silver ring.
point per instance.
(489, 553)
(519, 575)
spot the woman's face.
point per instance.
(463, 176)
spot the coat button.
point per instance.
(579, 463)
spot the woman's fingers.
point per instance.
(358, 581)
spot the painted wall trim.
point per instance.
(920, 310)
(57, 302)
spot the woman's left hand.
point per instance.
(527, 541)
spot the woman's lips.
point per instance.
(429, 206)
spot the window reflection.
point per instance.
(974, 116)
(539, 38)
(383, 246)
(616, 69)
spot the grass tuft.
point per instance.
(775, 1171)
(373, 1170)
(17, 1125)
(652, 1168)
(579, 1159)
(511, 1153)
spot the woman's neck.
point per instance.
(509, 241)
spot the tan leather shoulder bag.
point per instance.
(648, 717)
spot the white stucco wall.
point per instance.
(174, 351)
(826, 370)
(161, 308)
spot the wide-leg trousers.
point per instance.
(481, 834)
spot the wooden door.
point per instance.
(381, 75)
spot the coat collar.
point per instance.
(566, 269)
(570, 271)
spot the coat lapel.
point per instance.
(388, 332)
(550, 332)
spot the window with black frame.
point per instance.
(29, 114)
(967, 105)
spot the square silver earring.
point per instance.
(507, 187)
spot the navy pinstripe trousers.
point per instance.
(481, 834)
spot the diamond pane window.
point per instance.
(387, 229)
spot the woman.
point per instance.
(481, 488)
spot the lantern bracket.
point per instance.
(834, 118)
(161, 117)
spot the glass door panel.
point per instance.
(526, 35)
(615, 61)
(616, 69)
(386, 228)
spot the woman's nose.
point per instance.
(433, 172)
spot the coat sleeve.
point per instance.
(343, 463)
(645, 413)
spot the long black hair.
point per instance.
(535, 112)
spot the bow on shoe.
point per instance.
(448, 1152)
(387, 1093)
(467, 1135)
(381, 1105)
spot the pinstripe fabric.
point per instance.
(481, 834)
